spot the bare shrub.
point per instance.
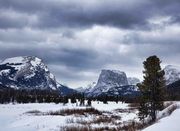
(173, 108)
(34, 112)
(102, 119)
(166, 104)
(168, 110)
(75, 112)
(65, 112)
(125, 110)
(75, 128)
(134, 126)
(86, 128)
(134, 105)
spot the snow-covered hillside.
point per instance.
(86, 89)
(168, 123)
(172, 74)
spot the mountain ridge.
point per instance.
(28, 72)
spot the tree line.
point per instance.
(11, 95)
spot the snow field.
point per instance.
(14, 117)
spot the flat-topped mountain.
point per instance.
(112, 82)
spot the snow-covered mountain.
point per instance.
(133, 80)
(112, 82)
(87, 88)
(64, 90)
(27, 72)
(80, 89)
(172, 74)
(112, 78)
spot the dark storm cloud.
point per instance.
(124, 14)
(76, 39)
(75, 59)
(11, 23)
(79, 59)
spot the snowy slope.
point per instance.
(15, 118)
(172, 74)
(169, 123)
(86, 89)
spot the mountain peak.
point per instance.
(114, 71)
(133, 80)
(172, 67)
(26, 72)
(22, 59)
(29, 72)
(172, 73)
(107, 80)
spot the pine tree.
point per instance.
(143, 106)
(105, 99)
(117, 99)
(89, 102)
(65, 100)
(152, 89)
(73, 99)
(82, 100)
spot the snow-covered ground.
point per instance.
(14, 117)
(168, 123)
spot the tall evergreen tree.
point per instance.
(65, 100)
(89, 102)
(152, 88)
(105, 99)
(73, 99)
(82, 100)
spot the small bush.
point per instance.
(167, 104)
(173, 108)
(134, 105)
(35, 112)
(86, 128)
(168, 110)
(124, 110)
(96, 120)
(75, 112)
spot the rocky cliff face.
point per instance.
(112, 81)
(28, 72)
(112, 78)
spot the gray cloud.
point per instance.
(53, 14)
(79, 38)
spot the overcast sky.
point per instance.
(78, 38)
